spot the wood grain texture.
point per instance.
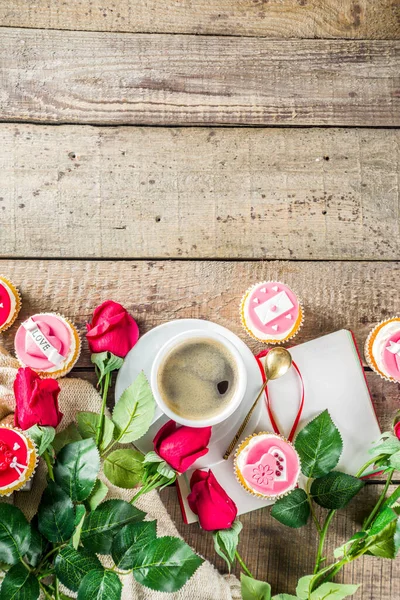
(281, 556)
(81, 77)
(134, 192)
(336, 295)
(274, 18)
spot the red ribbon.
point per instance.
(268, 401)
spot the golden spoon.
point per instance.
(277, 362)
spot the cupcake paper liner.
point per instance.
(18, 303)
(368, 349)
(291, 334)
(239, 477)
(70, 361)
(32, 464)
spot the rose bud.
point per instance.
(209, 501)
(112, 330)
(181, 446)
(36, 400)
(397, 430)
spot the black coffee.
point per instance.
(197, 379)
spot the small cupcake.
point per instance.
(271, 312)
(267, 465)
(10, 303)
(47, 343)
(382, 349)
(18, 459)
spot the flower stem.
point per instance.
(46, 457)
(242, 564)
(100, 425)
(322, 537)
(381, 500)
(310, 502)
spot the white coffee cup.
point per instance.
(241, 379)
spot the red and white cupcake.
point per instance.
(10, 303)
(382, 349)
(271, 312)
(48, 343)
(267, 465)
(18, 459)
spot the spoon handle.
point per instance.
(244, 423)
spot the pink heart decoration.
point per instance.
(261, 473)
(33, 349)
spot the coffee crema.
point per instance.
(198, 378)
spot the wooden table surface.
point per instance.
(167, 154)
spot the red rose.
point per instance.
(36, 400)
(112, 330)
(180, 447)
(209, 501)
(397, 430)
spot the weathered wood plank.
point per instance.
(70, 77)
(274, 18)
(282, 556)
(354, 295)
(132, 192)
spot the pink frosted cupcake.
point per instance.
(18, 460)
(48, 343)
(10, 303)
(267, 465)
(271, 312)
(382, 349)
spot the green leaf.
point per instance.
(80, 513)
(383, 544)
(393, 498)
(56, 514)
(130, 540)
(87, 426)
(72, 565)
(152, 457)
(303, 586)
(98, 494)
(395, 461)
(66, 436)
(100, 585)
(19, 584)
(292, 510)
(319, 446)
(387, 444)
(342, 550)
(252, 589)
(334, 591)
(166, 471)
(124, 467)
(165, 564)
(226, 542)
(106, 362)
(37, 546)
(134, 411)
(15, 534)
(42, 436)
(77, 468)
(101, 525)
(336, 489)
(384, 518)
(284, 597)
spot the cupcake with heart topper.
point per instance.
(271, 312)
(267, 465)
(48, 343)
(18, 459)
(382, 349)
(10, 303)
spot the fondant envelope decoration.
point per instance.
(273, 308)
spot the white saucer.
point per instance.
(141, 357)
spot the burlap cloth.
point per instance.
(76, 395)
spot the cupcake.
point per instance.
(382, 349)
(267, 465)
(47, 343)
(18, 459)
(10, 303)
(271, 312)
